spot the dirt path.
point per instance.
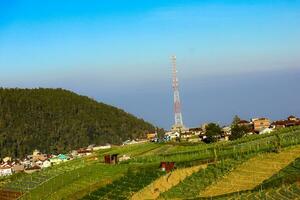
(166, 182)
(252, 173)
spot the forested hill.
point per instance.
(56, 120)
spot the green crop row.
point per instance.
(191, 186)
(135, 179)
(63, 182)
(281, 185)
(262, 143)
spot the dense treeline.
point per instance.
(56, 120)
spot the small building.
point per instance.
(226, 131)
(111, 159)
(17, 168)
(5, 171)
(167, 166)
(39, 163)
(292, 118)
(32, 169)
(63, 157)
(187, 135)
(266, 130)
(97, 148)
(151, 136)
(130, 142)
(84, 152)
(260, 124)
(245, 123)
(196, 131)
(124, 158)
(55, 161)
(7, 159)
(46, 164)
(290, 121)
(173, 135)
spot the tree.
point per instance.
(56, 120)
(236, 120)
(213, 132)
(238, 131)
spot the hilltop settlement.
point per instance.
(209, 132)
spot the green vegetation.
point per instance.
(136, 178)
(252, 173)
(238, 131)
(89, 178)
(213, 132)
(283, 185)
(190, 187)
(56, 120)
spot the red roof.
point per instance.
(285, 123)
(243, 122)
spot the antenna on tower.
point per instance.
(178, 126)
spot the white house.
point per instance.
(107, 146)
(55, 161)
(6, 159)
(173, 135)
(266, 130)
(46, 164)
(5, 171)
(124, 158)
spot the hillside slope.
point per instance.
(56, 120)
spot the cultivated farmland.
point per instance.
(253, 167)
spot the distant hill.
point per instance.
(57, 120)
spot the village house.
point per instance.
(172, 135)
(187, 135)
(293, 118)
(55, 160)
(290, 121)
(32, 169)
(260, 124)
(6, 159)
(84, 152)
(151, 136)
(130, 142)
(244, 123)
(124, 158)
(46, 164)
(5, 171)
(97, 148)
(18, 168)
(226, 132)
(266, 130)
(196, 131)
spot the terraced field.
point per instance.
(246, 168)
(252, 173)
(190, 187)
(166, 182)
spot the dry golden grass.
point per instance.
(252, 173)
(166, 182)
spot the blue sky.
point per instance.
(117, 51)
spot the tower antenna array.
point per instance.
(177, 104)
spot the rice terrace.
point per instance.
(252, 167)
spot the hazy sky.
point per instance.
(234, 57)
